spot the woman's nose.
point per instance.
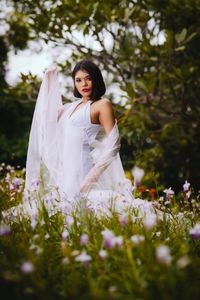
(84, 83)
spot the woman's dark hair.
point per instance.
(98, 85)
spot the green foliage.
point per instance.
(153, 56)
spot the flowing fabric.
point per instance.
(51, 154)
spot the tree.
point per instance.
(149, 49)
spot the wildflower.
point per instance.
(169, 192)
(4, 229)
(108, 238)
(102, 253)
(69, 220)
(163, 255)
(65, 260)
(112, 289)
(183, 262)
(195, 231)
(35, 184)
(17, 182)
(65, 235)
(84, 239)
(186, 186)
(34, 221)
(84, 258)
(149, 221)
(138, 174)
(47, 236)
(123, 220)
(118, 240)
(137, 239)
(38, 250)
(27, 267)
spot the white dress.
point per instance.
(77, 134)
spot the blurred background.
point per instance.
(149, 55)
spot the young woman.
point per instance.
(75, 147)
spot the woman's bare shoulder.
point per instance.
(104, 104)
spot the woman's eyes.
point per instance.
(78, 80)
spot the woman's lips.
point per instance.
(85, 90)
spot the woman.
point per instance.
(75, 147)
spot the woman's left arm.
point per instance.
(106, 115)
(112, 146)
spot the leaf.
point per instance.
(180, 37)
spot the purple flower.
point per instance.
(195, 231)
(84, 258)
(108, 238)
(65, 235)
(35, 184)
(123, 220)
(27, 267)
(186, 186)
(84, 239)
(4, 230)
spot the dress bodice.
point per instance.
(77, 133)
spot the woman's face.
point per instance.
(83, 83)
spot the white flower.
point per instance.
(102, 253)
(27, 267)
(137, 239)
(83, 257)
(47, 236)
(149, 221)
(118, 240)
(65, 260)
(163, 255)
(169, 191)
(138, 174)
(183, 262)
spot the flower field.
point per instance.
(143, 252)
